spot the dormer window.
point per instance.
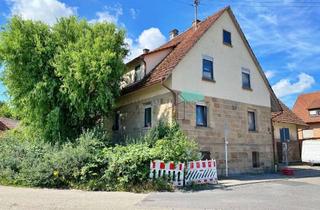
(314, 112)
(227, 38)
(138, 73)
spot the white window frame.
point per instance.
(314, 113)
(136, 73)
(209, 58)
(246, 71)
(207, 114)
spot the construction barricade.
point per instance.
(197, 172)
(201, 172)
(172, 171)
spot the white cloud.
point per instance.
(286, 87)
(47, 11)
(150, 38)
(110, 14)
(293, 36)
(269, 74)
(272, 19)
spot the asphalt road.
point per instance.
(284, 194)
(301, 192)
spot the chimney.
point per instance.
(195, 23)
(174, 33)
(146, 51)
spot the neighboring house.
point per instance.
(7, 123)
(285, 128)
(207, 79)
(307, 107)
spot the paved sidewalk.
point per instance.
(52, 199)
(236, 181)
(237, 192)
(301, 171)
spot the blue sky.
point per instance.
(284, 34)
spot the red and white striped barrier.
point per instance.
(172, 171)
(201, 172)
(197, 172)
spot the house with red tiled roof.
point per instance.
(285, 129)
(209, 81)
(307, 107)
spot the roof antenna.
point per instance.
(196, 5)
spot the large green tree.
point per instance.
(6, 110)
(61, 78)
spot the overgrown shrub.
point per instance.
(173, 144)
(128, 165)
(16, 155)
(40, 164)
(90, 162)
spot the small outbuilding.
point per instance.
(285, 130)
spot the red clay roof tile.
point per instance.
(304, 103)
(287, 116)
(181, 44)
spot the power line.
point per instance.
(265, 2)
(184, 2)
(249, 3)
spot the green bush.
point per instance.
(128, 166)
(36, 163)
(90, 162)
(16, 156)
(173, 145)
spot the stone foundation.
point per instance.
(241, 142)
(211, 139)
(132, 116)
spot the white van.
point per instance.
(311, 151)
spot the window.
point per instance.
(147, 116)
(284, 134)
(314, 113)
(252, 121)
(227, 37)
(246, 83)
(207, 68)
(255, 160)
(116, 125)
(201, 115)
(138, 73)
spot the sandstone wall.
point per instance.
(241, 142)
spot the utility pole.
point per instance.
(196, 4)
(226, 131)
